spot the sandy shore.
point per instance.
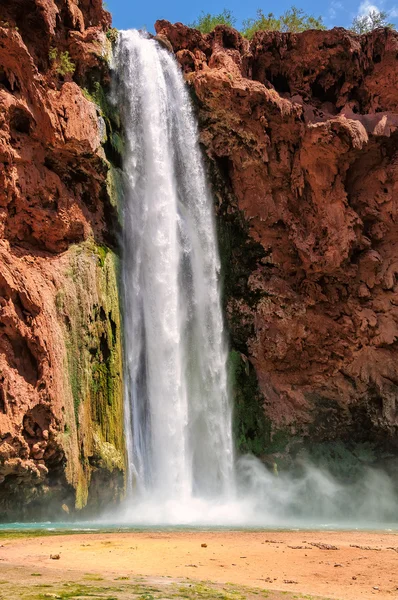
(340, 565)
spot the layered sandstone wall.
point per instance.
(60, 340)
(301, 135)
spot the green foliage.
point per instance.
(65, 65)
(97, 95)
(294, 20)
(109, 112)
(61, 62)
(102, 252)
(112, 35)
(206, 22)
(8, 25)
(52, 55)
(373, 20)
(117, 142)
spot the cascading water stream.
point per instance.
(178, 414)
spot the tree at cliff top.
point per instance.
(294, 20)
(206, 22)
(373, 20)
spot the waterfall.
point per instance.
(177, 408)
(181, 467)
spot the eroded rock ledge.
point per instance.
(60, 353)
(301, 136)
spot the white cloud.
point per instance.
(367, 7)
(334, 8)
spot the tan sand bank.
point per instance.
(341, 565)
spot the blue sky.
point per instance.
(143, 14)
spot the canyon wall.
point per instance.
(300, 132)
(61, 438)
(300, 136)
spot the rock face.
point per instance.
(301, 135)
(300, 132)
(60, 355)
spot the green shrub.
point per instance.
(206, 22)
(61, 62)
(371, 21)
(112, 35)
(66, 66)
(53, 54)
(294, 20)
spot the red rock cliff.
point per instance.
(60, 358)
(301, 133)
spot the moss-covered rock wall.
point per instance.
(61, 390)
(88, 308)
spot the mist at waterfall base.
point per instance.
(315, 499)
(182, 468)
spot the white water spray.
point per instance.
(178, 414)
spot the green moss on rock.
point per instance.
(238, 254)
(113, 140)
(115, 187)
(251, 431)
(88, 305)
